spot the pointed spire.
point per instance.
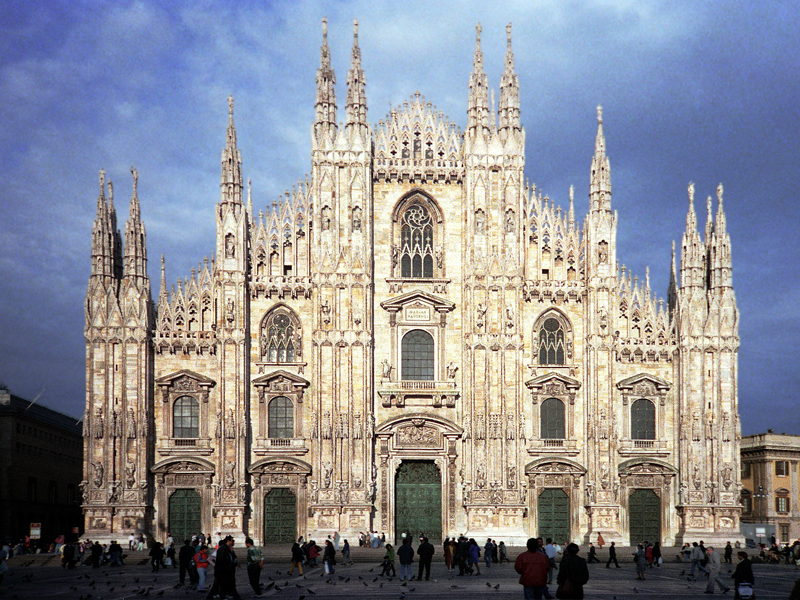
(356, 93)
(600, 181)
(102, 238)
(163, 295)
(720, 224)
(231, 178)
(135, 245)
(250, 198)
(709, 221)
(509, 91)
(693, 251)
(325, 123)
(571, 206)
(691, 217)
(478, 108)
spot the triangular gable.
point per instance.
(631, 382)
(538, 383)
(397, 304)
(294, 380)
(169, 380)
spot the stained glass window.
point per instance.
(279, 342)
(551, 343)
(416, 243)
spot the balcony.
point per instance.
(629, 447)
(551, 446)
(418, 393)
(283, 446)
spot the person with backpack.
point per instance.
(573, 574)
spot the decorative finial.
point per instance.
(135, 174)
(691, 193)
(324, 29)
(355, 29)
(230, 105)
(708, 207)
(599, 115)
(508, 35)
(102, 181)
(719, 193)
(478, 30)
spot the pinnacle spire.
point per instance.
(231, 178)
(478, 109)
(720, 224)
(326, 95)
(509, 90)
(356, 94)
(571, 218)
(135, 248)
(600, 181)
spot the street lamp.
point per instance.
(761, 495)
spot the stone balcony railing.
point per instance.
(553, 446)
(418, 393)
(290, 446)
(629, 447)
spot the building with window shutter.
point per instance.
(413, 339)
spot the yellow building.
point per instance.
(770, 486)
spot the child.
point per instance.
(388, 565)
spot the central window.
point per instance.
(280, 337)
(643, 420)
(186, 418)
(417, 356)
(281, 418)
(552, 420)
(551, 342)
(416, 243)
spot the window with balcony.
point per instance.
(280, 418)
(643, 420)
(417, 356)
(552, 420)
(186, 418)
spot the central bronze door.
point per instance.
(644, 508)
(553, 511)
(280, 516)
(418, 499)
(184, 515)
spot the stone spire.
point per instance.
(672, 289)
(509, 92)
(325, 123)
(135, 249)
(231, 179)
(571, 213)
(356, 92)
(722, 273)
(478, 108)
(692, 250)
(106, 244)
(600, 182)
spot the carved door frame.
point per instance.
(560, 473)
(650, 474)
(180, 473)
(279, 472)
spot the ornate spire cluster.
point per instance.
(693, 252)
(104, 238)
(325, 123)
(356, 93)
(135, 246)
(478, 108)
(509, 92)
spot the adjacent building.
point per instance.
(41, 465)
(770, 487)
(413, 338)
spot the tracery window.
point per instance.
(416, 242)
(551, 342)
(417, 356)
(186, 418)
(552, 425)
(280, 418)
(643, 420)
(280, 339)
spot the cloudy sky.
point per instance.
(692, 91)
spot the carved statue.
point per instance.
(230, 246)
(98, 424)
(218, 428)
(439, 253)
(590, 493)
(696, 435)
(326, 426)
(602, 426)
(481, 312)
(314, 493)
(726, 426)
(683, 495)
(710, 426)
(727, 475)
(325, 308)
(696, 477)
(230, 477)
(356, 219)
(605, 479)
(230, 311)
(395, 256)
(327, 473)
(326, 218)
(98, 474)
(386, 369)
(509, 317)
(512, 477)
(511, 224)
(113, 493)
(451, 370)
(480, 480)
(480, 221)
(230, 426)
(131, 425)
(130, 474)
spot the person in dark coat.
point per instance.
(156, 556)
(612, 556)
(224, 572)
(743, 572)
(573, 568)
(593, 554)
(406, 555)
(185, 556)
(97, 554)
(425, 552)
(728, 553)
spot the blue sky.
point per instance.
(691, 91)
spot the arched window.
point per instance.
(643, 420)
(280, 418)
(747, 501)
(417, 353)
(186, 418)
(551, 342)
(416, 242)
(280, 339)
(552, 413)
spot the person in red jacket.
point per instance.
(532, 567)
(201, 562)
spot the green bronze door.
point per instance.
(184, 515)
(418, 499)
(553, 513)
(644, 513)
(280, 516)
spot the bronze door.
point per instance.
(418, 499)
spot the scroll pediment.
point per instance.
(182, 465)
(419, 421)
(423, 299)
(559, 466)
(648, 467)
(283, 380)
(186, 379)
(644, 383)
(284, 466)
(553, 383)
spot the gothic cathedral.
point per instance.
(413, 338)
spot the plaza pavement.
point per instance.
(41, 577)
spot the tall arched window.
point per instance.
(416, 242)
(186, 418)
(552, 414)
(280, 338)
(280, 418)
(643, 420)
(551, 342)
(417, 356)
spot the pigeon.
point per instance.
(310, 591)
(497, 587)
(365, 584)
(682, 573)
(404, 584)
(488, 584)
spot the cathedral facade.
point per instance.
(413, 338)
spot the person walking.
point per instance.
(474, 556)
(448, 553)
(406, 555)
(600, 541)
(657, 554)
(185, 556)
(551, 551)
(297, 558)
(729, 553)
(115, 554)
(696, 556)
(713, 567)
(640, 558)
(96, 554)
(346, 554)
(743, 579)
(532, 567)
(329, 558)
(224, 572)
(201, 564)
(573, 574)
(593, 554)
(255, 562)
(425, 552)
(502, 553)
(156, 556)
(487, 553)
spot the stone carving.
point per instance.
(313, 493)
(511, 222)
(696, 480)
(327, 432)
(370, 434)
(230, 311)
(417, 436)
(590, 493)
(325, 309)
(510, 320)
(511, 477)
(439, 254)
(386, 370)
(683, 493)
(511, 427)
(230, 426)
(726, 426)
(495, 427)
(342, 492)
(218, 428)
(116, 424)
(357, 428)
(727, 475)
(98, 424)
(710, 426)
(480, 320)
(98, 474)
(131, 424)
(605, 478)
(467, 426)
(230, 246)
(602, 425)
(230, 476)
(113, 493)
(480, 480)
(342, 427)
(480, 428)
(356, 219)
(327, 474)
(696, 433)
(451, 370)
(480, 221)
(326, 218)
(130, 474)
